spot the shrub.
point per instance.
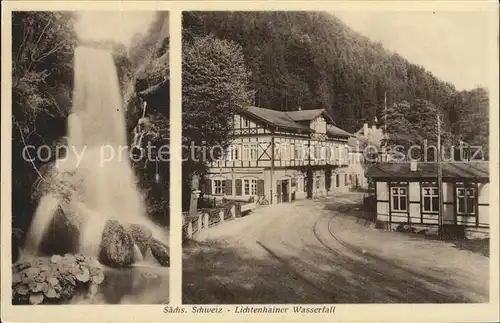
(54, 280)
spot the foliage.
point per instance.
(146, 65)
(215, 84)
(54, 280)
(472, 122)
(314, 60)
(415, 124)
(42, 80)
(152, 174)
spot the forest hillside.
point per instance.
(314, 60)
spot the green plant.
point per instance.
(54, 280)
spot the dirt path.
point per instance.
(306, 253)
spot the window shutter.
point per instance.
(208, 186)
(228, 187)
(238, 187)
(260, 187)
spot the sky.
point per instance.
(451, 45)
(119, 26)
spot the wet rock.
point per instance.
(160, 252)
(141, 236)
(61, 235)
(117, 246)
(60, 179)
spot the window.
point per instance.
(336, 153)
(284, 149)
(277, 152)
(235, 152)
(466, 200)
(292, 152)
(431, 199)
(345, 180)
(250, 187)
(219, 186)
(317, 151)
(305, 184)
(318, 180)
(399, 198)
(337, 180)
(253, 152)
(298, 151)
(244, 155)
(247, 123)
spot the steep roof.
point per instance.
(309, 115)
(293, 119)
(476, 170)
(305, 115)
(277, 118)
(336, 131)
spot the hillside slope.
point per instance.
(314, 60)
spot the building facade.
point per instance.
(277, 157)
(410, 196)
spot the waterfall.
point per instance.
(97, 155)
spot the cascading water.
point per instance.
(98, 157)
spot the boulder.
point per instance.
(160, 252)
(61, 235)
(117, 246)
(141, 237)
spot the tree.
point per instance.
(42, 80)
(215, 84)
(415, 124)
(314, 60)
(472, 125)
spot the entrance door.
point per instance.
(284, 190)
(278, 191)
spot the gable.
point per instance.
(244, 122)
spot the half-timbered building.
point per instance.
(279, 156)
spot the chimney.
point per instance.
(413, 165)
(365, 129)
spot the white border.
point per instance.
(148, 313)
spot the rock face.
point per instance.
(117, 246)
(160, 252)
(141, 236)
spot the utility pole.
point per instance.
(385, 113)
(384, 153)
(272, 169)
(440, 179)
